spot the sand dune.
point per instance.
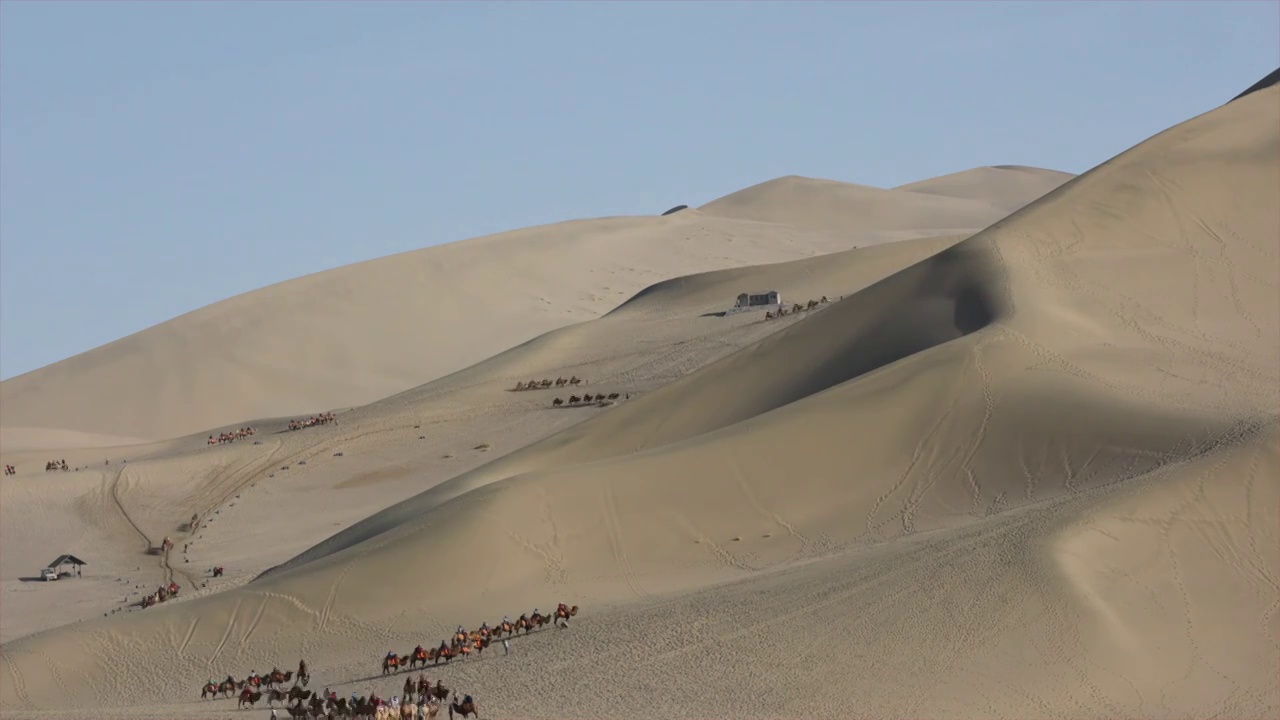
(995, 186)
(349, 336)
(829, 205)
(1029, 473)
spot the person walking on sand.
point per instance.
(506, 647)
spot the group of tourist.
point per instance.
(10, 470)
(321, 419)
(230, 437)
(53, 465)
(161, 594)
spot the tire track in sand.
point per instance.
(191, 631)
(613, 526)
(226, 635)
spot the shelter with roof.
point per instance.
(64, 560)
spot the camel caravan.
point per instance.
(55, 465)
(427, 705)
(321, 419)
(589, 399)
(11, 470)
(164, 592)
(253, 687)
(546, 383)
(230, 437)
(464, 643)
(797, 308)
(309, 705)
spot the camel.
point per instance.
(419, 656)
(546, 383)
(812, 304)
(248, 697)
(587, 398)
(275, 677)
(227, 687)
(465, 708)
(564, 615)
(440, 692)
(209, 689)
(298, 712)
(768, 315)
(442, 653)
(560, 382)
(574, 380)
(557, 402)
(574, 399)
(274, 695)
(520, 386)
(823, 300)
(612, 396)
(390, 664)
(297, 693)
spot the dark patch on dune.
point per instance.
(675, 210)
(1262, 84)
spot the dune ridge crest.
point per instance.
(352, 335)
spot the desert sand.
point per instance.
(1024, 469)
(349, 336)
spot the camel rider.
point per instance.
(391, 655)
(466, 700)
(506, 620)
(211, 682)
(484, 628)
(562, 609)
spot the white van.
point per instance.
(48, 574)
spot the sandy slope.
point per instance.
(349, 336)
(1028, 474)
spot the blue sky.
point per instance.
(158, 157)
